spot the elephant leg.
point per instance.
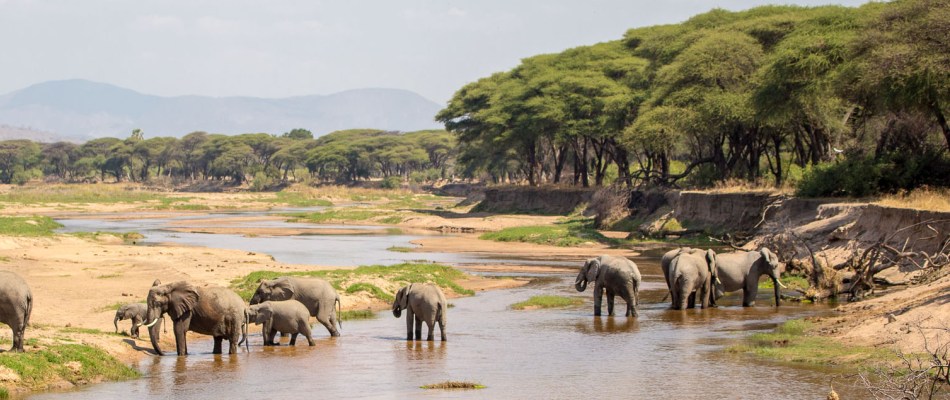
(135, 328)
(598, 298)
(610, 302)
(749, 293)
(217, 345)
(441, 327)
(305, 330)
(410, 319)
(328, 321)
(293, 339)
(691, 300)
(19, 329)
(418, 327)
(703, 294)
(273, 335)
(181, 343)
(430, 323)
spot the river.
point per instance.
(557, 353)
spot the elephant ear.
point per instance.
(404, 300)
(711, 262)
(767, 255)
(593, 269)
(157, 282)
(182, 299)
(282, 289)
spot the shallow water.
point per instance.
(561, 353)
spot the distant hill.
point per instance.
(13, 132)
(80, 110)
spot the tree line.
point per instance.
(762, 95)
(342, 156)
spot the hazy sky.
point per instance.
(284, 48)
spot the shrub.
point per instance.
(860, 176)
(392, 182)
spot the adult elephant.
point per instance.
(16, 305)
(741, 271)
(692, 274)
(423, 302)
(214, 311)
(317, 294)
(616, 276)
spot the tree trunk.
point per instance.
(942, 120)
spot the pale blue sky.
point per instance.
(284, 48)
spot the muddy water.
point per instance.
(516, 354)
(562, 353)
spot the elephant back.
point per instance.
(14, 292)
(218, 312)
(314, 293)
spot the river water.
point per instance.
(559, 353)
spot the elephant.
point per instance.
(16, 305)
(616, 275)
(135, 312)
(692, 274)
(316, 294)
(287, 317)
(423, 302)
(741, 270)
(214, 311)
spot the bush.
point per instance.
(392, 182)
(860, 176)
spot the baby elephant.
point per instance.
(422, 302)
(133, 311)
(287, 317)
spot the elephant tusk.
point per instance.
(718, 282)
(152, 323)
(781, 284)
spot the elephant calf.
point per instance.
(423, 302)
(16, 305)
(133, 311)
(616, 276)
(287, 317)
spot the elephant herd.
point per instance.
(693, 276)
(284, 305)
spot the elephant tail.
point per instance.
(29, 309)
(247, 345)
(339, 312)
(440, 314)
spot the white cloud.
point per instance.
(159, 22)
(218, 26)
(457, 12)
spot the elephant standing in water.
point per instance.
(316, 294)
(133, 311)
(691, 276)
(214, 311)
(287, 317)
(16, 305)
(423, 302)
(741, 270)
(616, 275)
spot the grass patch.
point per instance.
(75, 363)
(87, 331)
(84, 194)
(400, 249)
(922, 199)
(371, 289)
(547, 302)
(302, 199)
(391, 220)
(454, 385)
(108, 276)
(334, 215)
(357, 314)
(790, 342)
(28, 226)
(790, 281)
(442, 275)
(127, 236)
(566, 233)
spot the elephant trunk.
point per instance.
(775, 285)
(116, 322)
(397, 311)
(247, 321)
(153, 329)
(581, 282)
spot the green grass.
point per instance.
(4, 393)
(546, 301)
(792, 282)
(572, 232)
(400, 249)
(299, 199)
(442, 275)
(391, 220)
(83, 194)
(39, 369)
(791, 342)
(109, 276)
(357, 314)
(454, 385)
(334, 215)
(87, 331)
(28, 226)
(371, 289)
